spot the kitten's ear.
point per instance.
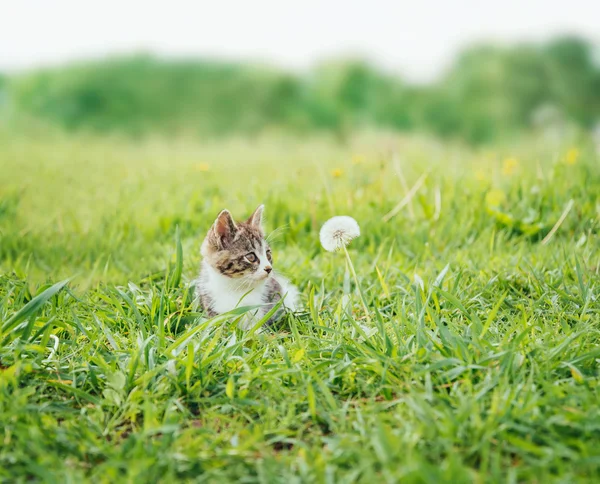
(224, 228)
(256, 218)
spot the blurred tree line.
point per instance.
(488, 92)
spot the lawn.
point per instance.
(480, 268)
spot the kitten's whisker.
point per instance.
(281, 273)
(241, 285)
(245, 285)
(277, 232)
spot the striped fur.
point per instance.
(237, 270)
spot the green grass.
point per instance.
(482, 364)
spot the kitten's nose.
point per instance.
(268, 269)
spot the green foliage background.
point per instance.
(488, 93)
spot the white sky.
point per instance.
(417, 37)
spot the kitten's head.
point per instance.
(239, 250)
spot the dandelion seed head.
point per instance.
(337, 232)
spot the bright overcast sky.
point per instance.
(417, 38)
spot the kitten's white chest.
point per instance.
(226, 295)
(225, 300)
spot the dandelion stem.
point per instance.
(353, 272)
(407, 199)
(559, 222)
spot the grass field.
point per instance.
(481, 361)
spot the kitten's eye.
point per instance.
(251, 256)
(269, 254)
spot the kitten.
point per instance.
(237, 270)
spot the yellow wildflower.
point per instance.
(489, 155)
(480, 175)
(337, 172)
(572, 156)
(576, 374)
(494, 198)
(509, 166)
(202, 167)
(357, 159)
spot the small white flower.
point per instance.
(337, 232)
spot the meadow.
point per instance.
(478, 361)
